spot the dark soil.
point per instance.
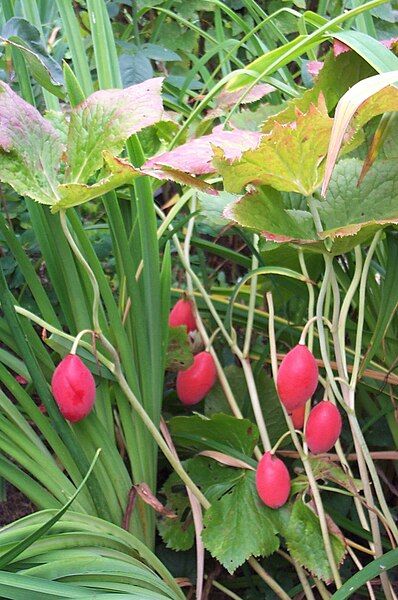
(15, 506)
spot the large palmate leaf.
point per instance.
(30, 149)
(105, 121)
(305, 543)
(350, 214)
(288, 158)
(23, 35)
(239, 525)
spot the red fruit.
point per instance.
(73, 388)
(323, 427)
(297, 417)
(195, 383)
(182, 314)
(297, 377)
(272, 481)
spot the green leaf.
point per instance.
(327, 470)
(370, 571)
(350, 214)
(217, 403)
(179, 354)
(105, 120)
(30, 149)
(120, 171)
(239, 525)
(288, 158)
(199, 433)
(375, 53)
(19, 33)
(305, 543)
(212, 478)
(16, 550)
(349, 209)
(134, 68)
(211, 207)
(337, 75)
(156, 52)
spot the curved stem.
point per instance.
(303, 456)
(117, 370)
(78, 338)
(84, 263)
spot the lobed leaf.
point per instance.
(305, 543)
(239, 525)
(288, 158)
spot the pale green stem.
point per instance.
(82, 260)
(360, 567)
(309, 324)
(117, 370)
(225, 590)
(301, 575)
(184, 254)
(283, 437)
(311, 297)
(35, 319)
(361, 309)
(252, 302)
(345, 307)
(78, 338)
(303, 456)
(275, 587)
(321, 330)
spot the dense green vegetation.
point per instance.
(238, 158)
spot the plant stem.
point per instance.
(252, 301)
(275, 587)
(175, 463)
(301, 575)
(311, 297)
(303, 456)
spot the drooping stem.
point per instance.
(303, 456)
(117, 370)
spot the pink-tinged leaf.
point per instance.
(30, 149)
(195, 157)
(226, 98)
(339, 47)
(105, 120)
(314, 66)
(390, 43)
(145, 493)
(225, 459)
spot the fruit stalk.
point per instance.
(303, 456)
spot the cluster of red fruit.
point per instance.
(297, 381)
(194, 383)
(73, 387)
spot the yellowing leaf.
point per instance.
(288, 158)
(346, 108)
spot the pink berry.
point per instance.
(297, 417)
(73, 388)
(182, 314)
(323, 427)
(195, 383)
(297, 377)
(272, 481)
